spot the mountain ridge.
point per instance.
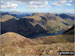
(32, 25)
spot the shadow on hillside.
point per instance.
(66, 16)
(22, 26)
(70, 31)
(43, 20)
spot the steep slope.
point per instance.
(30, 27)
(66, 16)
(38, 23)
(49, 21)
(23, 26)
(67, 36)
(7, 17)
(11, 39)
(70, 31)
(9, 25)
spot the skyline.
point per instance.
(40, 6)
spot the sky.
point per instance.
(39, 6)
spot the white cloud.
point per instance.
(14, 5)
(56, 4)
(37, 4)
(9, 5)
(62, 3)
(69, 4)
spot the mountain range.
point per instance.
(21, 15)
(17, 34)
(38, 23)
(16, 14)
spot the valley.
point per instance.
(37, 34)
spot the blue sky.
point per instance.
(40, 6)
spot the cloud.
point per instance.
(29, 3)
(57, 4)
(69, 4)
(8, 5)
(38, 0)
(37, 4)
(62, 3)
(70, 1)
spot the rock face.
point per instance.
(15, 40)
(38, 23)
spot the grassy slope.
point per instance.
(39, 49)
(7, 17)
(52, 49)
